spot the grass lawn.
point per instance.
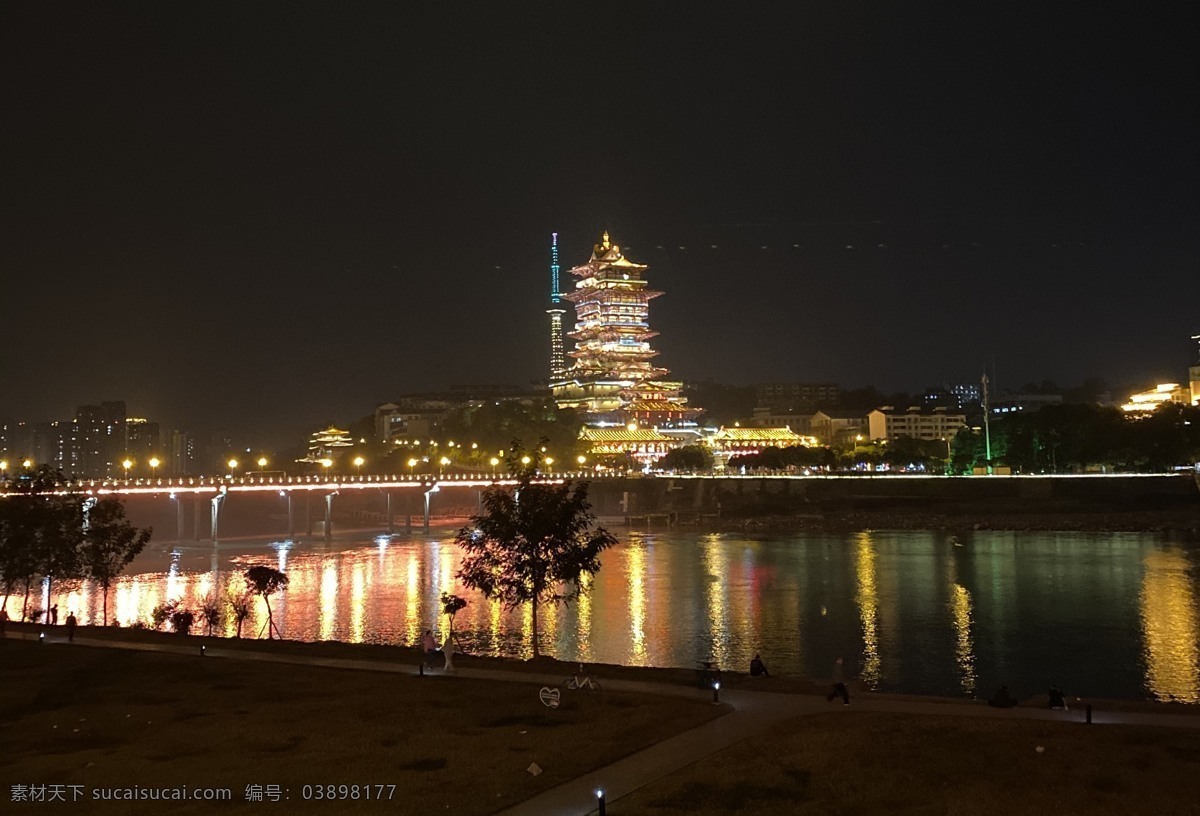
(103, 717)
(847, 762)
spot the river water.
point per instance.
(1106, 615)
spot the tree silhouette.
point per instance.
(266, 581)
(532, 543)
(451, 605)
(41, 531)
(109, 544)
(239, 605)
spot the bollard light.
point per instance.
(202, 650)
(41, 638)
(717, 692)
(600, 800)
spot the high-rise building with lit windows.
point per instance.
(613, 379)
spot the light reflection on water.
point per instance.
(1106, 615)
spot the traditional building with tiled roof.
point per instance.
(739, 441)
(613, 379)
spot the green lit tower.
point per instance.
(557, 360)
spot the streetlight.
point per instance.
(494, 462)
(27, 464)
(233, 463)
(358, 463)
(525, 460)
(154, 463)
(262, 462)
(549, 460)
(443, 462)
(412, 466)
(325, 463)
(581, 459)
(127, 464)
(3, 465)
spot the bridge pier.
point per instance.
(329, 514)
(391, 524)
(196, 517)
(432, 489)
(178, 518)
(217, 501)
(291, 518)
(308, 513)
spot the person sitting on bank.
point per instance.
(1057, 701)
(429, 648)
(758, 668)
(1002, 699)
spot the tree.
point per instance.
(533, 543)
(240, 606)
(16, 544)
(451, 606)
(689, 457)
(265, 581)
(42, 531)
(179, 616)
(210, 613)
(110, 542)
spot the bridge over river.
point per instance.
(201, 508)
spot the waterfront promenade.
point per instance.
(750, 712)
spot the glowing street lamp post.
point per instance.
(358, 463)
(127, 464)
(154, 463)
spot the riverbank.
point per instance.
(322, 739)
(237, 720)
(408, 657)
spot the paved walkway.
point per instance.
(754, 712)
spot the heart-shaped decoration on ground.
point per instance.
(549, 697)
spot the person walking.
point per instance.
(839, 684)
(54, 615)
(3, 620)
(71, 623)
(448, 651)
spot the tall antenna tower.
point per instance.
(556, 311)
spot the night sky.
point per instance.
(261, 216)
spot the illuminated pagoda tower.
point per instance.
(613, 380)
(556, 311)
